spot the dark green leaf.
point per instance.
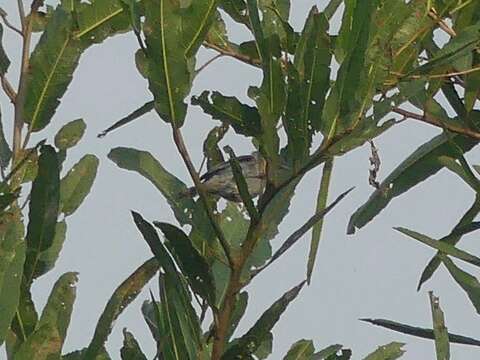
(43, 344)
(12, 256)
(4, 61)
(443, 246)
(120, 299)
(421, 164)
(144, 109)
(48, 258)
(442, 344)
(325, 353)
(390, 351)
(192, 264)
(170, 186)
(237, 9)
(244, 119)
(24, 322)
(211, 150)
(131, 350)
(468, 283)
(58, 310)
(322, 198)
(79, 355)
(43, 212)
(70, 134)
(301, 350)
(453, 238)
(253, 338)
(76, 185)
(5, 152)
(420, 332)
(238, 312)
(52, 64)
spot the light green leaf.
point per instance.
(253, 338)
(131, 349)
(171, 187)
(58, 310)
(42, 344)
(301, 350)
(442, 344)
(328, 351)
(76, 185)
(120, 299)
(48, 258)
(43, 212)
(52, 64)
(70, 134)
(390, 351)
(420, 165)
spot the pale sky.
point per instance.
(371, 274)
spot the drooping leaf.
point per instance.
(142, 110)
(193, 265)
(440, 331)
(301, 350)
(78, 182)
(317, 228)
(4, 60)
(421, 164)
(443, 246)
(420, 332)
(48, 258)
(5, 152)
(453, 238)
(120, 299)
(243, 118)
(43, 212)
(467, 282)
(52, 64)
(247, 344)
(390, 351)
(12, 255)
(131, 349)
(171, 187)
(58, 310)
(70, 134)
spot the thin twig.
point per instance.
(21, 13)
(426, 118)
(8, 88)
(439, 76)
(443, 25)
(8, 24)
(218, 56)
(229, 52)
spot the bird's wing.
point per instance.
(222, 166)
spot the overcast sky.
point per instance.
(371, 274)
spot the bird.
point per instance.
(219, 180)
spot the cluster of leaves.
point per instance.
(387, 57)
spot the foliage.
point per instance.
(302, 116)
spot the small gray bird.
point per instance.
(219, 180)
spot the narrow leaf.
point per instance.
(4, 61)
(120, 299)
(328, 351)
(131, 349)
(390, 351)
(76, 185)
(142, 110)
(301, 350)
(5, 152)
(442, 344)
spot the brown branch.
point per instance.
(8, 88)
(201, 68)
(231, 53)
(8, 24)
(426, 118)
(441, 23)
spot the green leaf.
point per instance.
(322, 198)
(24, 322)
(43, 212)
(327, 352)
(169, 73)
(193, 265)
(253, 338)
(444, 247)
(243, 118)
(301, 350)
(70, 134)
(43, 344)
(131, 350)
(237, 9)
(52, 64)
(211, 150)
(442, 344)
(4, 60)
(420, 332)
(48, 258)
(467, 282)
(120, 299)
(58, 310)
(5, 152)
(238, 312)
(76, 185)
(390, 351)
(12, 258)
(80, 355)
(420, 165)
(265, 349)
(144, 109)
(98, 20)
(170, 186)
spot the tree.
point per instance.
(390, 64)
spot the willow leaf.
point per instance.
(442, 345)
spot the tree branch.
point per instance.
(8, 89)
(229, 52)
(8, 24)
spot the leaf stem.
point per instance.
(8, 24)
(8, 89)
